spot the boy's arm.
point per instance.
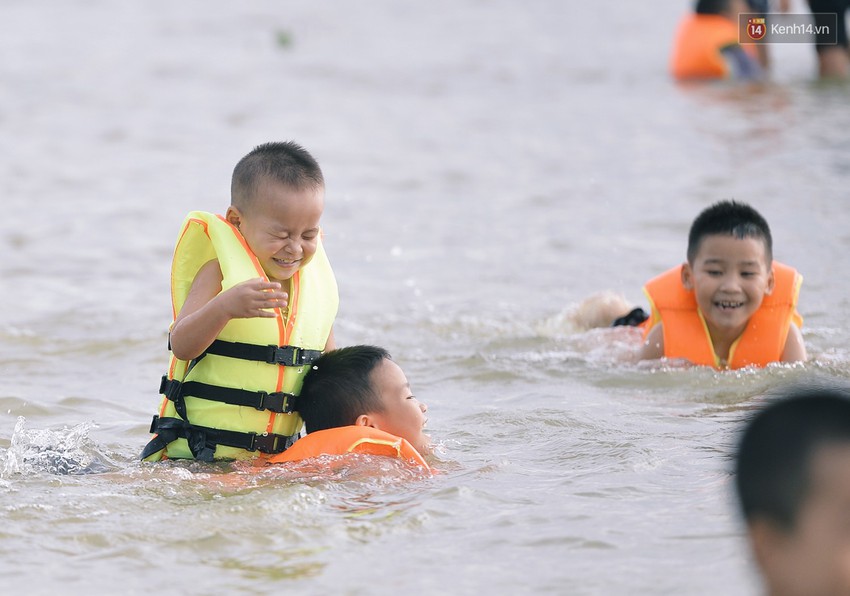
(795, 348)
(653, 347)
(207, 309)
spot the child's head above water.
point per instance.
(730, 252)
(361, 385)
(793, 483)
(727, 8)
(277, 198)
(729, 218)
(284, 163)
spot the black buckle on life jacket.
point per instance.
(154, 424)
(269, 443)
(280, 402)
(291, 355)
(270, 354)
(170, 388)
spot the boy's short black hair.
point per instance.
(711, 6)
(337, 388)
(778, 445)
(729, 218)
(287, 162)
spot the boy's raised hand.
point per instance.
(253, 298)
(207, 309)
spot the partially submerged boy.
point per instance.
(730, 305)
(792, 475)
(254, 301)
(357, 400)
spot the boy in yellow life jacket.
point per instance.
(254, 299)
(729, 305)
(357, 400)
(792, 479)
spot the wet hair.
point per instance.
(778, 445)
(338, 387)
(287, 163)
(728, 218)
(711, 6)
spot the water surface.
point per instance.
(489, 165)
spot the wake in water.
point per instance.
(68, 451)
(579, 339)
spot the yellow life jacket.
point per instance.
(351, 439)
(686, 334)
(238, 397)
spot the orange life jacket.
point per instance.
(686, 334)
(351, 439)
(696, 50)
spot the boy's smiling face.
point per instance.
(402, 414)
(281, 227)
(730, 277)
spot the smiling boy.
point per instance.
(254, 301)
(730, 305)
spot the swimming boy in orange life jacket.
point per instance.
(730, 305)
(357, 400)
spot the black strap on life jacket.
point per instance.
(271, 354)
(203, 440)
(280, 402)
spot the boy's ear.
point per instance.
(364, 420)
(767, 542)
(233, 216)
(771, 282)
(687, 276)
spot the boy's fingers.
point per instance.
(260, 284)
(273, 301)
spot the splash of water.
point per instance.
(68, 451)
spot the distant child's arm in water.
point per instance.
(795, 348)
(207, 309)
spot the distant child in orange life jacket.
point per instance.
(357, 400)
(730, 305)
(707, 46)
